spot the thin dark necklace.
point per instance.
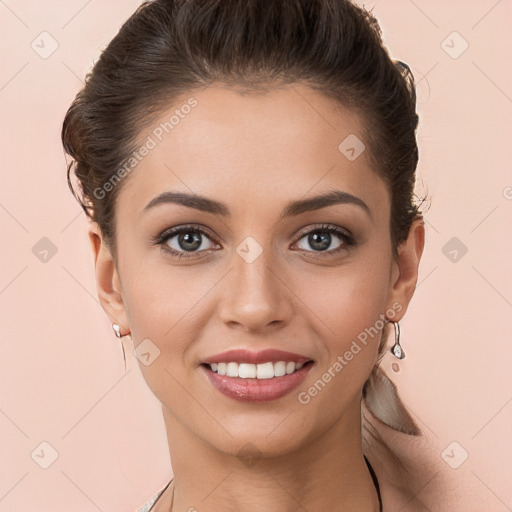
(372, 473)
(375, 481)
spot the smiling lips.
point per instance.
(256, 376)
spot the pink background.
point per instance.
(62, 379)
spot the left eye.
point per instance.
(320, 239)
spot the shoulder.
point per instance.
(149, 505)
(414, 476)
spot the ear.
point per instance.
(405, 268)
(108, 283)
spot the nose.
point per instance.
(256, 296)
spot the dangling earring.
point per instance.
(117, 330)
(396, 349)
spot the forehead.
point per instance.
(249, 149)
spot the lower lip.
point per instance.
(257, 390)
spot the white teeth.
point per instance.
(246, 371)
(264, 371)
(232, 370)
(280, 369)
(256, 371)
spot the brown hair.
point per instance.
(168, 47)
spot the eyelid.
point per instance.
(169, 233)
(325, 227)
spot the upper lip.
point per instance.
(264, 356)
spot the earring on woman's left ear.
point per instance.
(396, 349)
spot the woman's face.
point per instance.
(266, 273)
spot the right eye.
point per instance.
(184, 241)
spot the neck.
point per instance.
(326, 473)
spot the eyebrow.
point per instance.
(292, 209)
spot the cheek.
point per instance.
(170, 307)
(347, 300)
(348, 304)
(162, 309)
(160, 296)
(350, 326)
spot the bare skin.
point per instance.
(255, 153)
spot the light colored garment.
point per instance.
(149, 505)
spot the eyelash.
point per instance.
(162, 239)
